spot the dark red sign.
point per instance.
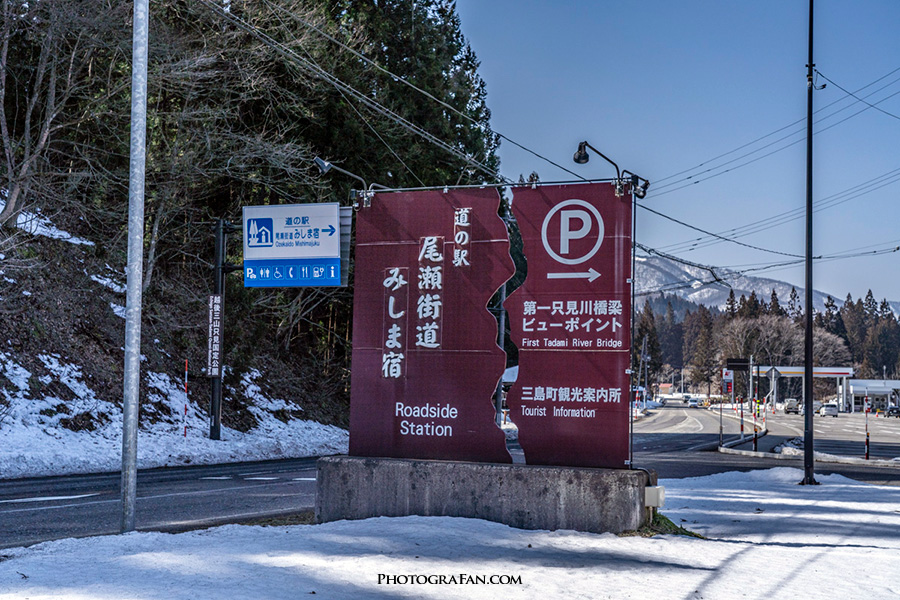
(425, 355)
(571, 320)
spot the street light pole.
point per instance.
(808, 454)
(137, 172)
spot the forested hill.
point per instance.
(242, 96)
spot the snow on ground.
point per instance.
(36, 223)
(34, 442)
(767, 538)
(794, 447)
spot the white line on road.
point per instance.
(154, 497)
(219, 478)
(48, 498)
(261, 478)
(304, 479)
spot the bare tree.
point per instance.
(47, 50)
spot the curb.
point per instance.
(878, 462)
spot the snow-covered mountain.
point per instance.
(657, 274)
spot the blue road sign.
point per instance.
(292, 245)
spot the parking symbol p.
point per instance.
(577, 220)
(566, 233)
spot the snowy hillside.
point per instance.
(60, 397)
(701, 286)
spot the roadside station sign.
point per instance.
(292, 245)
(571, 320)
(425, 357)
(727, 375)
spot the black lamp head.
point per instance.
(642, 191)
(581, 156)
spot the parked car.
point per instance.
(693, 403)
(828, 410)
(792, 406)
(892, 411)
(816, 406)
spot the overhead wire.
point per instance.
(339, 84)
(659, 185)
(425, 93)
(851, 193)
(779, 130)
(849, 93)
(724, 274)
(344, 88)
(725, 239)
(361, 116)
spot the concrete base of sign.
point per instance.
(523, 496)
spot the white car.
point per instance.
(828, 410)
(693, 403)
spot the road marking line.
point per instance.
(254, 486)
(48, 498)
(304, 479)
(261, 478)
(219, 478)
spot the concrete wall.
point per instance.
(524, 496)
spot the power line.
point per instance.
(779, 130)
(851, 193)
(311, 66)
(724, 274)
(661, 188)
(425, 93)
(340, 85)
(359, 114)
(879, 109)
(724, 239)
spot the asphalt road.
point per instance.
(676, 427)
(175, 499)
(670, 441)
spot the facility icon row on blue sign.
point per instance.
(292, 273)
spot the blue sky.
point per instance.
(662, 87)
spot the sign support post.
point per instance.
(217, 311)
(727, 383)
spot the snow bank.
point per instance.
(34, 442)
(769, 539)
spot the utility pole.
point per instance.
(808, 454)
(501, 322)
(641, 371)
(137, 172)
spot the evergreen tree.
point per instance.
(853, 316)
(671, 338)
(870, 306)
(749, 308)
(831, 318)
(731, 305)
(880, 351)
(795, 308)
(885, 312)
(421, 42)
(703, 350)
(775, 306)
(646, 329)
